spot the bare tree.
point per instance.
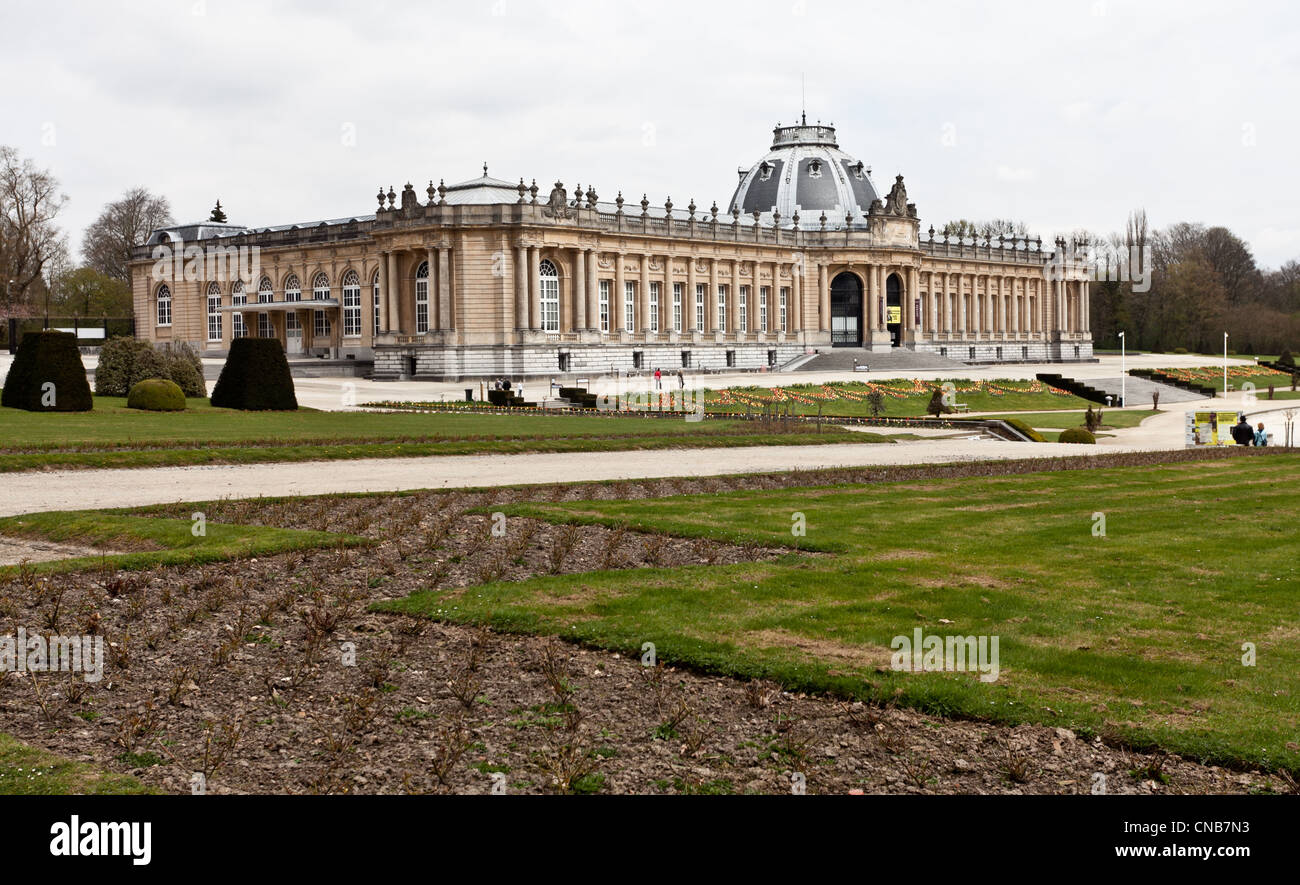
(123, 224)
(29, 203)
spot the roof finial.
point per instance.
(485, 175)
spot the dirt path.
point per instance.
(92, 489)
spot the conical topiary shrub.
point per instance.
(47, 375)
(255, 378)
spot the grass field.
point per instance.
(903, 398)
(114, 436)
(28, 771)
(1137, 634)
(145, 542)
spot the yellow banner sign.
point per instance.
(895, 314)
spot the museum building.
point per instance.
(489, 278)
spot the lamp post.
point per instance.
(1225, 365)
(1123, 372)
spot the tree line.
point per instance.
(39, 273)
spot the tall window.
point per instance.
(422, 298)
(164, 306)
(292, 288)
(322, 326)
(604, 305)
(265, 294)
(264, 325)
(238, 298)
(722, 308)
(214, 311)
(549, 287)
(699, 307)
(785, 295)
(351, 305)
(374, 285)
(742, 319)
(764, 293)
(655, 289)
(629, 306)
(677, 307)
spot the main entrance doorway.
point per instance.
(894, 309)
(846, 311)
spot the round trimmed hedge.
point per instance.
(1077, 435)
(47, 375)
(156, 395)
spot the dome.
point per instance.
(805, 171)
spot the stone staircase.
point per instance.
(842, 359)
(1139, 390)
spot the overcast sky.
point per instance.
(1064, 115)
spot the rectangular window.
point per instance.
(654, 306)
(742, 318)
(263, 325)
(764, 293)
(214, 317)
(699, 307)
(604, 305)
(722, 308)
(422, 304)
(785, 295)
(237, 327)
(629, 306)
(321, 329)
(351, 311)
(677, 307)
(164, 308)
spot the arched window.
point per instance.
(214, 311)
(238, 298)
(374, 287)
(351, 305)
(164, 306)
(292, 288)
(422, 298)
(320, 287)
(265, 292)
(548, 279)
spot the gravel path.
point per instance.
(90, 489)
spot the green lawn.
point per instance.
(903, 398)
(1137, 634)
(1212, 376)
(154, 541)
(28, 771)
(114, 436)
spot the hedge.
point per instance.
(255, 378)
(1077, 435)
(47, 358)
(124, 362)
(156, 395)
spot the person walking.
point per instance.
(681, 382)
(1261, 438)
(1242, 433)
(659, 383)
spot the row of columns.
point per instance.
(580, 299)
(441, 313)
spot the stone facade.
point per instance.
(489, 278)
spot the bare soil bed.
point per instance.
(16, 550)
(270, 676)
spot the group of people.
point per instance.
(504, 384)
(659, 380)
(1245, 435)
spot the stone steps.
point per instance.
(842, 359)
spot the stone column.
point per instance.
(534, 288)
(617, 297)
(913, 297)
(870, 316)
(644, 292)
(446, 317)
(435, 300)
(383, 293)
(578, 290)
(521, 287)
(711, 302)
(961, 302)
(666, 299)
(688, 303)
(593, 290)
(824, 296)
(794, 304)
(394, 285)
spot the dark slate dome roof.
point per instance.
(805, 170)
